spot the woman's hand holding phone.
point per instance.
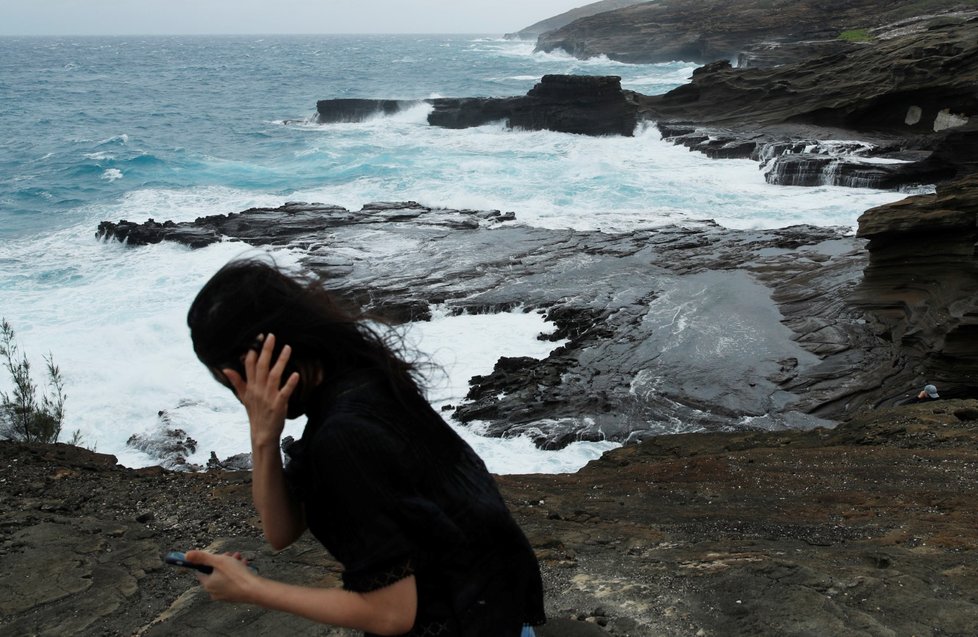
(231, 578)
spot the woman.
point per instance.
(390, 490)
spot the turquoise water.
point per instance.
(96, 129)
(87, 120)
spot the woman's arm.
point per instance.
(386, 611)
(266, 400)
(282, 518)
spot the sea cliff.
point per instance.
(755, 32)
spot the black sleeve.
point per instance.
(362, 478)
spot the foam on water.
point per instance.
(115, 319)
(455, 345)
(559, 180)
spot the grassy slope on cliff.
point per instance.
(706, 30)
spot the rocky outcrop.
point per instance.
(921, 285)
(706, 30)
(290, 223)
(589, 105)
(865, 530)
(357, 110)
(583, 104)
(851, 171)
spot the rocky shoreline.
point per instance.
(864, 530)
(775, 308)
(804, 326)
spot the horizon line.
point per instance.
(305, 33)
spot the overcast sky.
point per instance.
(132, 17)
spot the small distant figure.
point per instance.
(927, 394)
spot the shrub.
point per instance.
(856, 35)
(24, 415)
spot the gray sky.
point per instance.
(131, 17)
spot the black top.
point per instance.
(392, 492)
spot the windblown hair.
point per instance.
(249, 297)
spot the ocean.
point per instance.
(110, 128)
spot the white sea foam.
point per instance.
(114, 318)
(456, 346)
(183, 205)
(558, 180)
(112, 174)
(678, 76)
(115, 140)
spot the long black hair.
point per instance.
(251, 297)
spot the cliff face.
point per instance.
(865, 530)
(921, 284)
(915, 83)
(707, 30)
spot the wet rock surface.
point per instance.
(656, 331)
(864, 530)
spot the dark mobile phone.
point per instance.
(179, 559)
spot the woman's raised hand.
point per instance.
(261, 391)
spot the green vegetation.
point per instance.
(24, 415)
(856, 35)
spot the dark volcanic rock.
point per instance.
(286, 224)
(357, 110)
(921, 286)
(921, 110)
(169, 445)
(808, 169)
(588, 105)
(768, 54)
(865, 530)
